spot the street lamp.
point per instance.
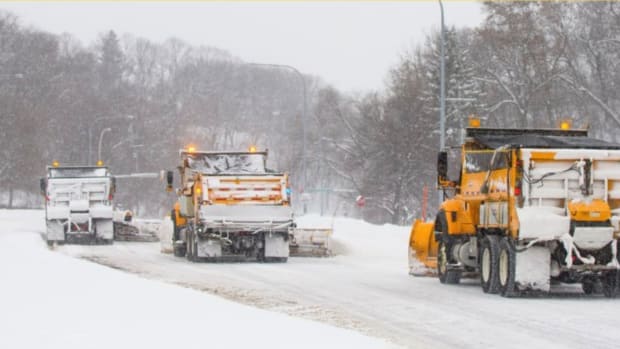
(442, 98)
(442, 83)
(90, 132)
(303, 117)
(101, 140)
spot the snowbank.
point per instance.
(49, 300)
(356, 238)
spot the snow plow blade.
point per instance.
(136, 233)
(128, 229)
(310, 242)
(422, 249)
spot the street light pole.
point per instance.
(101, 140)
(442, 83)
(442, 97)
(90, 132)
(303, 117)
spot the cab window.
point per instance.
(480, 161)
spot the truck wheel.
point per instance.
(179, 250)
(189, 254)
(446, 276)
(506, 267)
(587, 286)
(489, 251)
(611, 283)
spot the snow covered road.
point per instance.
(367, 288)
(48, 300)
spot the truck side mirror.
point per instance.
(442, 167)
(169, 179)
(43, 186)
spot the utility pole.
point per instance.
(442, 87)
(442, 98)
(101, 141)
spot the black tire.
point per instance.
(588, 287)
(444, 255)
(489, 251)
(611, 283)
(507, 262)
(190, 252)
(179, 250)
(446, 276)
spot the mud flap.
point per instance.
(276, 245)
(55, 230)
(533, 269)
(209, 248)
(165, 232)
(104, 229)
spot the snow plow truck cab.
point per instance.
(530, 207)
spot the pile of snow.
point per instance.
(49, 300)
(356, 238)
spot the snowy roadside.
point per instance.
(49, 300)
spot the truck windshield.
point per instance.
(227, 163)
(78, 172)
(480, 161)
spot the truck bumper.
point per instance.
(247, 217)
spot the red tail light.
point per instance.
(110, 197)
(517, 191)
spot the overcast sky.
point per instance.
(351, 45)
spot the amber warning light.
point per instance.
(474, 122)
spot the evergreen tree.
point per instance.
(463, 91)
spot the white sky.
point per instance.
(351, 45)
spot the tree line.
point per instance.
(528, 64)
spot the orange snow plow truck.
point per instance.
(531, 208)
(230, 207)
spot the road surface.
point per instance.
(366, 288)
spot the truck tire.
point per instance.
(446, 276)
(506, 267)
(489, 251)
(588, 286)
(611, 283)
(179, 250)
(190, 253)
